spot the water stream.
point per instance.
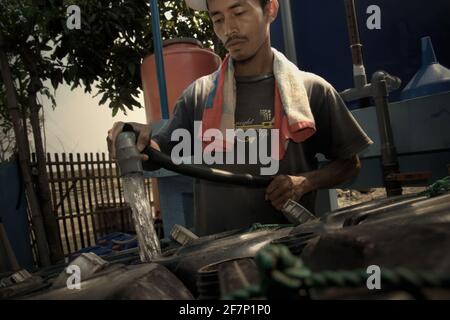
(137, 198)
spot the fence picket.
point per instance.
(68, 199)
(88, 175)
(62, 207)
(77, 181)
(53, 193)
(87, 199)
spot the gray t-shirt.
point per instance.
(220, 207)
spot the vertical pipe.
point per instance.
(288, 31)
(158, 51)
(389, 157)
(359, 72)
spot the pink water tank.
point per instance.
(185, 61)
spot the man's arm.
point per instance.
(339, 138)
(286, 187)
(183, 117)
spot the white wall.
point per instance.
(79, 124)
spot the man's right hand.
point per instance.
(143, 131)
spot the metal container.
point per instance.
(432, 78)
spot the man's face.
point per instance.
(241, 25)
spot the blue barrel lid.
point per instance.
(431, 78)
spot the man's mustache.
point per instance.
(240, 38)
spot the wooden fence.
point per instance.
(87, 198)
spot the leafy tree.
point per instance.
(106, 52)
(37, 47)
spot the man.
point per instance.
(257, 88)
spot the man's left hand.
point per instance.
(284, 188)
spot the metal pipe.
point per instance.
(288, 31)
(389, 158)
(158, 52)
(128, 157)
(379, 88)
(359, 71)
(393, 83)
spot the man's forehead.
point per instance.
(219, 5)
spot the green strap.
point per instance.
(284, 276)
(437, 188)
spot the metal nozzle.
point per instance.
(296, 213)
(129, 158)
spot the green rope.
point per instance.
(437, 188)
(284, 276)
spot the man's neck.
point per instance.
(260, 64)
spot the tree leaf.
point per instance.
(104, 99)
(132, 68)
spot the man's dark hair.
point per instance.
(262, 2)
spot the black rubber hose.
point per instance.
(205, 173)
